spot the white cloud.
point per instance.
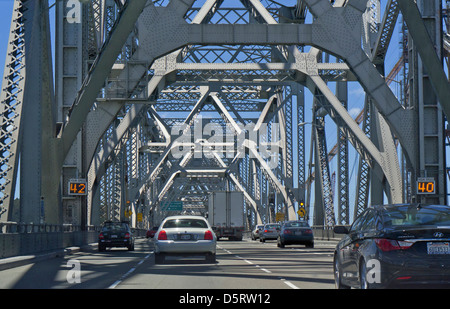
(358, 92)
(354, 112)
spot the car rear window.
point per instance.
(296, 224)
(412, 215)
(184, 223)
(113, 227)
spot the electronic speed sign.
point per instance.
(77, 187)
(426, 185)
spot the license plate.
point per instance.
(438, 248)
(185, 237)
(298, 233)
(113, 236)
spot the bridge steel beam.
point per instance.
(366, 77)
(162, 32)
(166, 64)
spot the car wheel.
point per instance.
(131, 247)
(310, 245)
(101, 248)
(338, 274)
(159, 258)
(280, 244)
(210, 258)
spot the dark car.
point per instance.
(295, 232)
(151, 232)
(115, 234)
(395, 246)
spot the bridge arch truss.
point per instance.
(158, 101)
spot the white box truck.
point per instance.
(226, 214)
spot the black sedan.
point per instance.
(295, 232)
(395, 246)
(115, 234)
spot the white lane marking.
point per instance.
(288, 283)
(115, 284)
(291, 285)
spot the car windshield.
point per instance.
(115, 227)
(412, 216)
(296, 224)
(184, 223)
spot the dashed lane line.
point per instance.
(115, 284)
(288, 283)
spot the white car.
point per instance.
(256, 233)
(185, 235)
(270, 231)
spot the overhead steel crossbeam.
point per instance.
(228, 106)
(159, 67)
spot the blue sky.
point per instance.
(6, 7)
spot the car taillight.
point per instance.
(266, 231)
(208, 235)
(287, 232)
(127, 235)
(101, 236)
(162, 235)
(390, 244)
(308, 231)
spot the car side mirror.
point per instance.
(340, 229)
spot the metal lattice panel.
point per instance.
(12, 93)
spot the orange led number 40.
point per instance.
(426, 186)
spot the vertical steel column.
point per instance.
(431, 118)
(363, 179)
(69, 66)
(301, 148)
(324, 179)
(11, 100)
(343, 179)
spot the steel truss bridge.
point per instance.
(134, 104)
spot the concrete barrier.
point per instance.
(30, 239)
(15, 244)
(325, 233)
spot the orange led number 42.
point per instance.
(77, 187)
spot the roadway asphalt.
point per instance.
(240, 265)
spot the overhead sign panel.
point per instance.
(172, 206)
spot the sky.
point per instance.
(356, 94)
(6, 7)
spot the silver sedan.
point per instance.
(185, 235)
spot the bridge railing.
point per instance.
(325, 233)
